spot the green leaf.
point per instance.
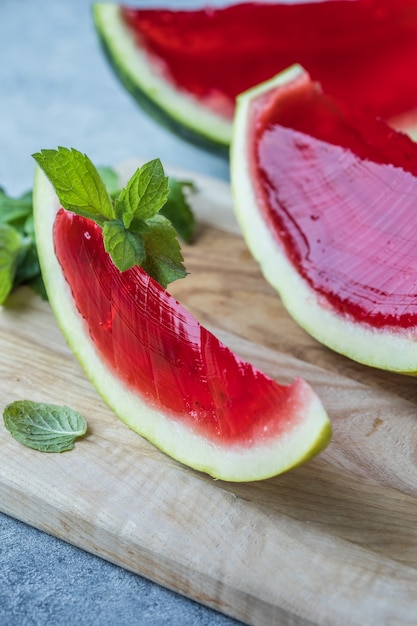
(14, 211)
(125, 247)
(12, 247)
(178, 211)
(163, 254)
(145, 193)
(18, 254)
(77, 183)
(44, 427)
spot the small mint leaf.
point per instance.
(14, 211)
(12, 247)
(44, 427)
(125, 247)
(77, 183)
(178, 211)
(18, 253)
(145, 193)
(163, 254)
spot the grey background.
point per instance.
(56, 89)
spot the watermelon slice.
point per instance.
(326, 198)
(186, 67)
(164, 375)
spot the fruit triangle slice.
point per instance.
(164, 375)
(326, 197)
(186, 67)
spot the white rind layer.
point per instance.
(391, 349)
(130, 59)
(231, 463)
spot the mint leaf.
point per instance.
(11, 247)
(44, 427)
(18, 253)
(178, 211)
(77, 183)
(163, 254)
(15, 211)
(125, 247)
(145, 193)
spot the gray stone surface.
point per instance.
(56, 89)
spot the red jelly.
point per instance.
(160, 350)
(363, 52)
(340, 191)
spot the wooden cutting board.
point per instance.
(332, 542)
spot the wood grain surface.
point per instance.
(333, 542)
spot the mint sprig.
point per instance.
(18, 254)
(134, 230)
(44, 427)
(19, 263)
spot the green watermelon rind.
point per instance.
(230, 463)
(178, 111)
(389, 349)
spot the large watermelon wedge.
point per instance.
(165, 375)
(186, 67)
(326, 198)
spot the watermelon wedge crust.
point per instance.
(180, 112)
(326, 203)
(181, 67)
(170, 380)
